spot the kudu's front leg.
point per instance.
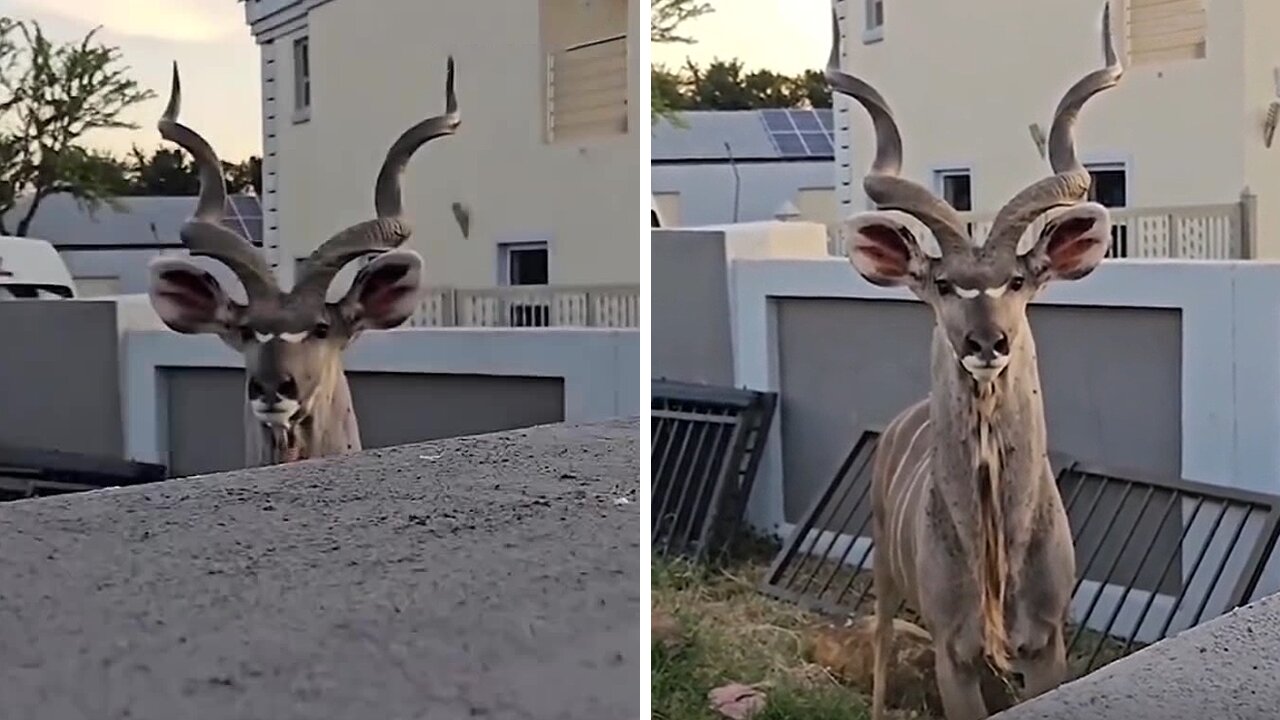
(959, 667)
(1043, 668)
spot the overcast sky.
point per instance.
(208, 38)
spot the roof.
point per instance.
(149, 221)
(751, 134)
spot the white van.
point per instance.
(32, 269)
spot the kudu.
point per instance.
(298, 403)
(969, 526)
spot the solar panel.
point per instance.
(789, 144)
(806, 121)
(827, 118)
(244, 215)
(800, 132)
(818, 143)
(776, 120)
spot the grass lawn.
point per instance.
(720, 630)
(712, 627)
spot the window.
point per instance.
(1110, 189)
(1163, 31)
(586, 55)
(523, 264)
(874, 29)
(955, 186)
(301, 80)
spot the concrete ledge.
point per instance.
(494, 576)
(1226, 668)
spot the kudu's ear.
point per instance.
(882, 249)
(1072, 243)
(385, 292)
(188, 298)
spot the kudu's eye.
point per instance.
(1017, 283)
(320, 331)
(943, 286)
(246, 333)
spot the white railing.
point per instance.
(1193, 232)
(615, 306)
(587, 89)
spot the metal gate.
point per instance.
(1154, 556)
(705, 449)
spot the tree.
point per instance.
(665, 19)
(52, 96)
(166, 171)
(170, 171)
(726, 85)
(244, 175)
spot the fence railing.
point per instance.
(530, 306)
(587, 89)
(1222, 231)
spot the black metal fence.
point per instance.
(30, 472)
(706, 445)
(1154, 556)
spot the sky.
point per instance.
(219, 61)
(216, 55)
(781, 35)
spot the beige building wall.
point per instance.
(1187, 128)
(373, 74)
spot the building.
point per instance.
(718, 167)
(107, 251)
(538, 187)
(1182, 144)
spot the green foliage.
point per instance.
(51, 96)
(170, 171)
(666, 17)
(726, 85)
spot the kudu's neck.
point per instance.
(328, 427)
(1012, 402)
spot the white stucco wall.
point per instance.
(373, 74)
(1188, 131)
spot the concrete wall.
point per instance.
(580, 197)
(1224, 668)
(1188, 131)
(1227, 340)
(205, 410)
(60, 376)
(410, 384)
(105, 377)
(690, 298)
(849, 365)
(689, 307)
(706, 191)
(451, 579)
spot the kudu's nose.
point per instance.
(283, 388)
(986, 345)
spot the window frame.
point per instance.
(872, 31)
(301, 79)
(505, 251)
(940, 176)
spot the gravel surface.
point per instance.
(487, 577)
